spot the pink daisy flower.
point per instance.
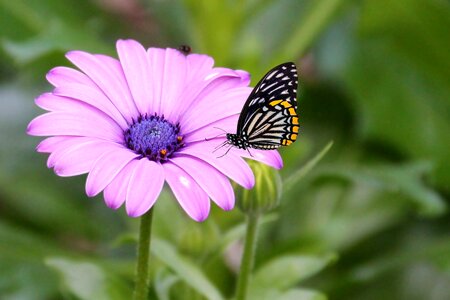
(139, 121)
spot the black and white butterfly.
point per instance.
(269, 118)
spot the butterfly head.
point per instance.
(236, 141)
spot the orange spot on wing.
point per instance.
(275, 102)
(295, 120)
(293, 136)
(286, 104)
(295, 129)
(292, 111)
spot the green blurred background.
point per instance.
(370, 221)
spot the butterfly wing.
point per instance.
(269, 119)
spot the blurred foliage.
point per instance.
(370, 221)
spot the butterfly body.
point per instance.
(269, 119)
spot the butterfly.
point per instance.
(269, 117)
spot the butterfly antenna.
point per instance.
(208, 139)
(228, 150)
(221, 129)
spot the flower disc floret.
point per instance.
(153, 137)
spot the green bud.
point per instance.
(266, 193)
(194, 238)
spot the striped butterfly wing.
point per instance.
(269, 118)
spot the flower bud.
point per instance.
(266, 193)
(195, 238)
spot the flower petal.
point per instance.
(116, 192)
(50, 144)
(173, 84)
(214, 183)
(106, 168)
(81, 123)
(80, 158)
(63, 75)
(217, 107)
(66, 145)
(205, 81)
(136, 67)
(156, 56)
(144, 187)
(214, 91)
(213, 130)
(108, 75)
(230, 165)
(269, 157)
(191, 197)
(94, 97)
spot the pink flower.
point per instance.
(139, 121)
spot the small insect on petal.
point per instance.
(185, 49)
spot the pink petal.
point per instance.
(50, 144)
(94, 97)
(189, 194)
(106, 168)
(62, 75)
(269, 157)
(230, 165)
(144, 187)
(108, 75)
(198, 67)
(202, 80)
(214, 130)
(215, 108)
(136, 67)
(214, 90)
(214, 183)
(57, 103)
(75, 124)
(173, 83)
(79, 159)
(66, 145)
(116, 192)
(156, 57)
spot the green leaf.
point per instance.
(162, 283)
(293, 179)
(309, 29)
(22, 273)
(286, 271)
(402, 179)
(302, 294)
(293, 294)
(87, 280)
(235, 233)
(57, 36)
(185, 269)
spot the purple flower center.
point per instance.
(153, 137)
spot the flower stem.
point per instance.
(141, 280)
(248, 256)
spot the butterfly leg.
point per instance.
(228, 150)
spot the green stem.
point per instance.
(248, 256)
(141, 281)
